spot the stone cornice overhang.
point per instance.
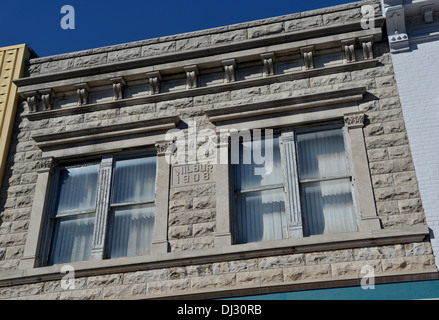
(228, 253)
(201, 90)
(321, 37)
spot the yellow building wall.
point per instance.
(12, 64)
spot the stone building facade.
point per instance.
(88, 115)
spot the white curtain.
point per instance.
(72, 235)
(72, 239)
(321, 154)
(260, 215)
(77, 189)
(245, 177)
(327, 206)
(134, 180)
(132, 226)
(131, 231)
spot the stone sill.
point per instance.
(221, 254)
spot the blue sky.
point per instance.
(103, 23)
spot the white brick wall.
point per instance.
(417, 75)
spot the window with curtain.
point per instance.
(259, 199)
(132, 207)
(129, 214)
(73, 221)
(325, 183)
(311, 166)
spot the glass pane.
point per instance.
(245, 177)
(134, 180)
(328, 207)
(131, 231)
(77, 189)
(261, 216)
(321, 154)
(72, 239)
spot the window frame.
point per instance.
(292, 182)
(103, 189)
(235, 193)
(112, 206)
(50, 216)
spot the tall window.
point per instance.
(129, 209)
(259, 199)
(132, 207)
(74, 215)
(325, 183)
(309, 188)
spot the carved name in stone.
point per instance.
(191, 174)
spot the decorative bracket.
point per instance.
(163, 147)
(33, 99)
(427, 13)
(354, 120)
(154, 82)
(367, 45)
(47, 97)
(348, 46)
(396, 29)
(191, 76)
(229, 69)
(308, 56)
(48, 164)
(82, 91)
(268, 62)
(118, 87)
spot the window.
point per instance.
(132, 207)
(74, 214)
(325, 183)
(308, 189)
(82, 192)
(259, 199)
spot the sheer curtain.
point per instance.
(132, 230)
(259, 199)
(74, 214)
(134, 180)
(325, 185)
(132, 219)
